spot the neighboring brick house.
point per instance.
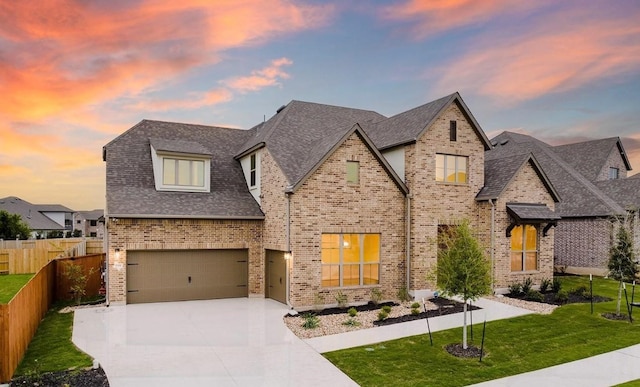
(316, 201)
(591, 180)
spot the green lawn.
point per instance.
(10, 285)
(51, 348)
(513, 346)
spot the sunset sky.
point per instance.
(76, 74)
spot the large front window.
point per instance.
(350, 259)
(451, 169)
(524, 248)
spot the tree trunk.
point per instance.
(464, 326)
(619, 299)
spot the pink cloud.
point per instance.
(268, 76)
(562, 52)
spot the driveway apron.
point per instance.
(230, 342)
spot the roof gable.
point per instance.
(500, 172)
(409, 126)
(589, 157)
(357, 129)
(579, 196)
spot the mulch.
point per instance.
(458, 351)
(445, 307)
(77, 378)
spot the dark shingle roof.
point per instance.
(624, 191)
(408, 126)
(130, 182)
(500, 171)
(91, 215)
(579, 196)
(589, 157)
(303, 133)
(53, 208)
(531, 212)
(29, 213)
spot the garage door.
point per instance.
(178, 275)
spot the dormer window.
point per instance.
(613, 173)
(180, 166)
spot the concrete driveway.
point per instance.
(231, 342)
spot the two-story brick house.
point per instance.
(316, 201)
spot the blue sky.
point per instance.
(75, 74)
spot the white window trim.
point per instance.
(158, 165)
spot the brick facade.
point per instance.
(614, 160)
(182, 234)
(526, 187)
(434, 203)
(325, 203)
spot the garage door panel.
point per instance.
(176, 275)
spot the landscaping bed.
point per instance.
(337, 320)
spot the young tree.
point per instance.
(622, 262)
(12, 226)
(462, 268)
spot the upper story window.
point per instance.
(453, 131)
(252, 171)
(524, 248)
(180, 166)
(614, 173)
(353, 172)
(451, 169)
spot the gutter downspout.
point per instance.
(288, 261)
(493, 222)
(105, 248)
(408, 242)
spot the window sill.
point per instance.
(525, 272)
(451, 183)
(352, 287)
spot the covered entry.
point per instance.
(178, 275)
(276, 276)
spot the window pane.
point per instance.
(184, 172)
(351, 248)
(351, 275)
(531, 238)
(371, 274)
(462, 169)
(439, 167)
(531, 261)
(371, 247)
(516, 261)
(253, 162)
(169, 172)
(330, 275)
(450, 164)
(516, 238)
(197, 171)
(353, 172)
(330, 248)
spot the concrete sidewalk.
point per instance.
(608, 369)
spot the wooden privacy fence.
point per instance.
(31, 255)
(19, 319)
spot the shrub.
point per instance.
(76, 275)
(386, 308)
(341, 299)
(318, 301)
(352, 312)
(526, 285)
(515, 289)
(556, 285)
(382, 315)
(403, 294)
(415, 311)
(545, 285)
(562, 296)
(415, 305)
(352, 322)
(580, 291)
(534, 295)
(311, 321)
(376, 296)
